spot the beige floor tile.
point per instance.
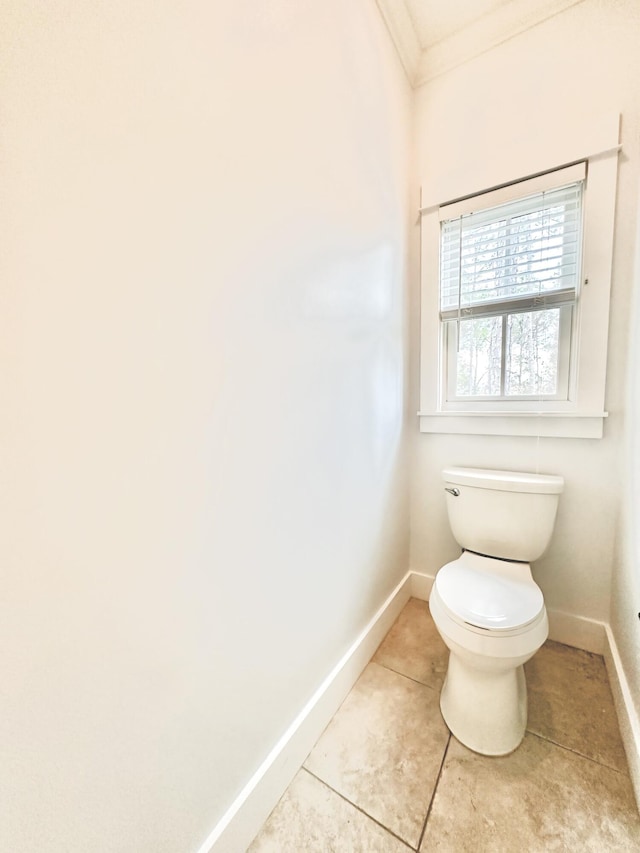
(413, 646)
(570, 703)
(310, 818)
(383, 750)
(541, 798)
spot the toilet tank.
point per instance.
(507, 514)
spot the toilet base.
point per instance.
(485, 709)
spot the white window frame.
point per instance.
(583, 414)
(568, 315)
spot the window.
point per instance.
(515, 288)
(509, 281)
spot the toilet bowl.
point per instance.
(484, 697)
(487, 607)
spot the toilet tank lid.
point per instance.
(505, 481)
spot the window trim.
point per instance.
(583, 415)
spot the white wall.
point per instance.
(582, 62)
(203, 345)
(625, 600)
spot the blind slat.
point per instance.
(491, 294)
(503, 241)
(513, 265)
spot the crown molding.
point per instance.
(502, 24)
(403, 35)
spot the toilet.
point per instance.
(486, 606)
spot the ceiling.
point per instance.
(433, 36)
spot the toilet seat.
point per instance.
(489, 595)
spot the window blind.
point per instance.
(513, 257)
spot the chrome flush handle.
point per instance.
(454, 492)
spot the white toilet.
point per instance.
(486, 605)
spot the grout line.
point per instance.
(404, 675)
(359, 809)
(433, 796)
(575, 752)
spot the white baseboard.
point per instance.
(577, 631)
(242, 821)
(421, 585)
(625, 708)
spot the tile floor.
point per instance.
(386, 776)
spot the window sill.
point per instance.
(546, 424)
